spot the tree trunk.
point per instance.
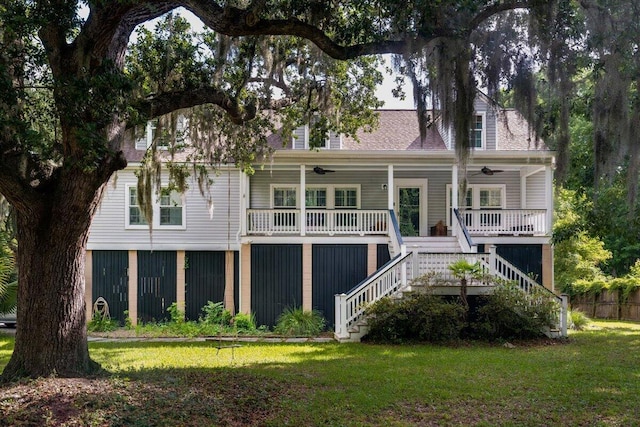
(51, 336)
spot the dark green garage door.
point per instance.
(276, 280)
(111, 281)
(205, 280)
(336, 269)
(156, 284)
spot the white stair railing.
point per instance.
(350, 307)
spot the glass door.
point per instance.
(410, 208)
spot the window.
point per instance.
(284, 197)
(318, 133)
(135, 214)
(346, 198)
(316, 198)
(476, 135)
(478, 197)
(168, 210)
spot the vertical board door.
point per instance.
(336, 269)
(383, 256)
(276, 281)
(156, 284)
(111, 281)
(527, 258)
(205, 280)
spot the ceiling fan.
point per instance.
(321, 171)
(488, 171)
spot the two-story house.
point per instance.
(332, 228)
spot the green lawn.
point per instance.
(594, 379)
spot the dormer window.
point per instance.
(318, 133)
(477, 132)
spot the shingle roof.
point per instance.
(397, 130)
(514, 133)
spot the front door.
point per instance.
(410, 206)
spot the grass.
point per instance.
(591, 380)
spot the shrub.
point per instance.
(100, 323)
(177, 315)
(244, 322)
(508, 312)
(417, 317)
(296, 321)
(579, 320)
(216, 314)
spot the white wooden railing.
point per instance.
(317, 221)
(350, 306)
(505, 221)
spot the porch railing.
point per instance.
(317, 221)
(505, 221)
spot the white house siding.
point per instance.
(202, 232)
(481, 106)
(536, 191)
(299, 138)
(511, 180)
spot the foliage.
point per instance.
(244, 323)
(299, 322)
(417, 317)
(101, 323)
(578, 320)
(176, 314)
(8, 282)
(577, 254)
(508, 312)
(216, 314)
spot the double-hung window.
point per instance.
(168, 210)
(477, 133)
(477, 199)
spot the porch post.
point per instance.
(492, 260)
(390, 191)
(549, 192)
(303, 203)
(244, 197)
(454, 199)
(563, 314)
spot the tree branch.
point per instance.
(167, 102)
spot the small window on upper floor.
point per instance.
(318, 134)
(168, 210)
(477, 133)
(145, 137)
(171, 208)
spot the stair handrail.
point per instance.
(395, 235)
(466, 244)
(350, 306)
(527, 284)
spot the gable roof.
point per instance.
(397, 130)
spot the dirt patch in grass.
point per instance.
(161, 398)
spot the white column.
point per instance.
(244, 201)
(549, 192)
(454, 199)
(303, 204)
(390, 189)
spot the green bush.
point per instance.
(579, 320)
(510, 313)
(177, 315)
(244, 322)
(100, 323)
(216, 314)
(298, 322)
(416, 317)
